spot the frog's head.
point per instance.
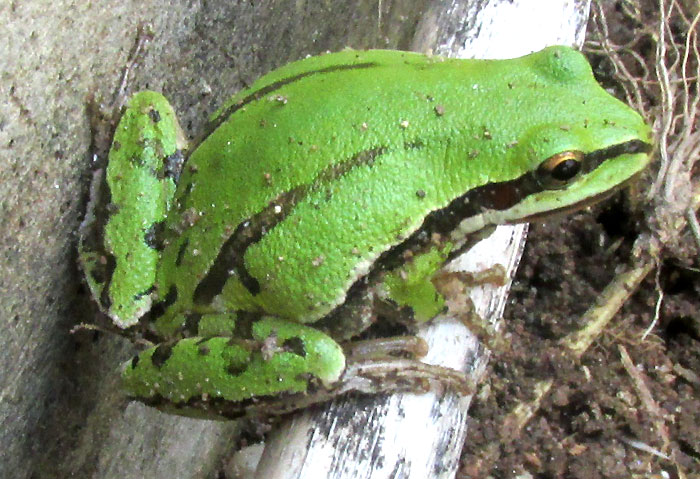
(578, 150)
(571, 169)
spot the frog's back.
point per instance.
(306, 178)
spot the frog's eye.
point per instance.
(558, 170)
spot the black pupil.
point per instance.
(566, 170)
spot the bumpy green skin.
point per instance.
(222, 367)
(141, 194)
(310, 180)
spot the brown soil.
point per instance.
(606, 416)
(596, 418)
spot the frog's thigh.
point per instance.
(120, 261)
(224, 375)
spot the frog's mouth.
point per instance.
(589, 201)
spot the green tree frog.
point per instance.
(329, 194)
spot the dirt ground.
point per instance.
(594, 423)
(630, 406)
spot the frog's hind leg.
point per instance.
(120, 240)
(283, 367)
(384, 365)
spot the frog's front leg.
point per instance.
(284, 366)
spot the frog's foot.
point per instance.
(366, 376)
(396, 346)
(391, 365)
(372, 376)
(386, 365)
(454, 286)
(104, 115)
(144, 35)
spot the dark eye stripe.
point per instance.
(492, 196)
(593, 159)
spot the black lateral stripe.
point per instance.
(492, 196)
(446, 220)
(230, 260)
(272, 87)
(439, 223)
